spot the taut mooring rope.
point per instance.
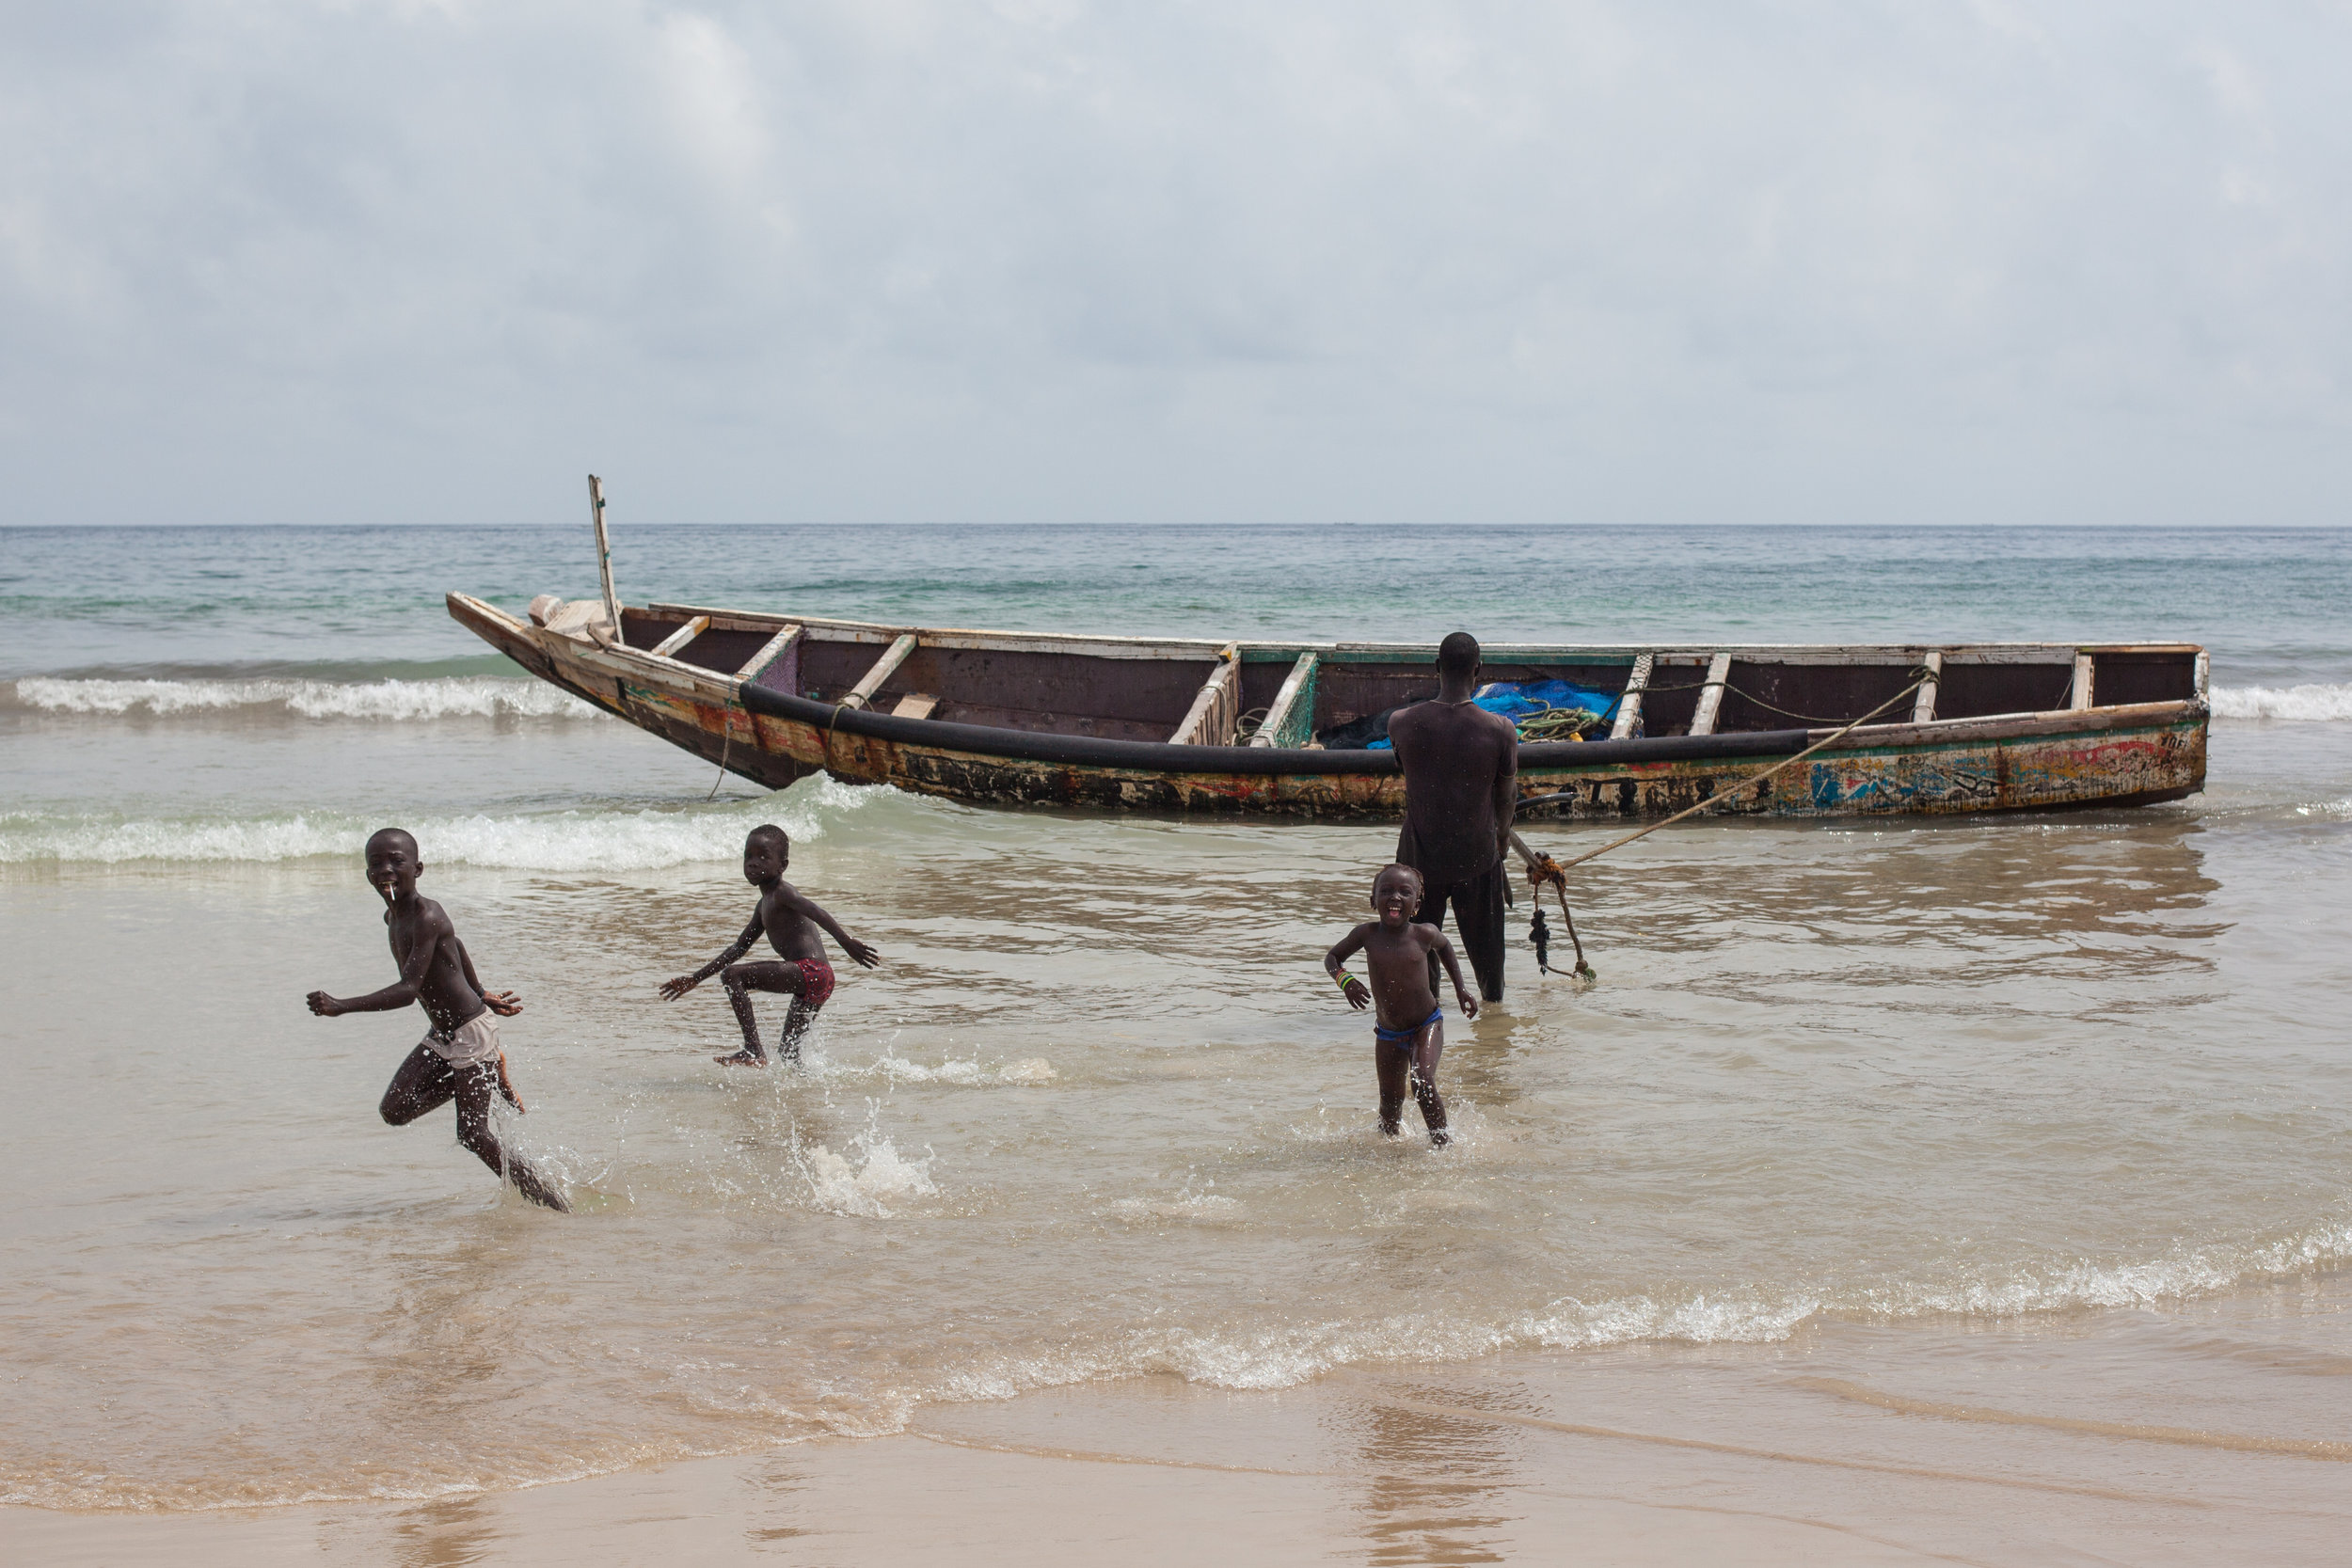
(1723, 795)
(1542, 868)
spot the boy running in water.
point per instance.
(1408, 1028)
(790, 922)
(459, 1056)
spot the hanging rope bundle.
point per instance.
(1542, 868)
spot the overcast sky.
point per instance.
(1050, 260)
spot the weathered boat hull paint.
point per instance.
(2114, 757)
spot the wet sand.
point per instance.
(2202, 1435)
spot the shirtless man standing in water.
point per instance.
(790, 923)
(1461, 766)
(459, 1056)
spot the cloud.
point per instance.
(1051, 259)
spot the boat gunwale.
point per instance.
(1264, 649)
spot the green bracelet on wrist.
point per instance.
(1340, 977)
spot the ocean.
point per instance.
(1893, 1099)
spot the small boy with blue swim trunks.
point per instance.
(1408, 1027)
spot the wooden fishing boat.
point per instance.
(1188, 724)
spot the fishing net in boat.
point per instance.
(1547, 710)
(1541, 710)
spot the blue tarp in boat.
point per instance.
(1520, 700)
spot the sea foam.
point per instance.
(895, 1070)
(2312, 702)
(615, 840)
(384, 701)
(866, 1182)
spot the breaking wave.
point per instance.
(615, 840)
(2313, 703)
(383, 700)
(1285, 1355)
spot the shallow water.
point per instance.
(1099, 1112)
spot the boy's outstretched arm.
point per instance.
(430, 928)
(503, 1003)
(673, 989)
(1444, 950)
(1358, 995)
(814, 912)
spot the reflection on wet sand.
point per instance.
(1436, 1487)
(451, 1532)
(777, 1491)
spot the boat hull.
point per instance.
(2123, 755)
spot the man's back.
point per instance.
(1461, 766)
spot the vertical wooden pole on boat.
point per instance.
(604, 554)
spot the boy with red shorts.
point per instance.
(790, 922)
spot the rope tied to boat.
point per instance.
(1543, 869)
(831, 720)
(725, 750)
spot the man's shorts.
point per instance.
(474, 1041)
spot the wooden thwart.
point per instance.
(915, 705)
(1711, 695)
(1923, 710)
(1216, 712)
(1629, 705)
(884, 667)
(2082, 683)
(769, 651)
(668, 648)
